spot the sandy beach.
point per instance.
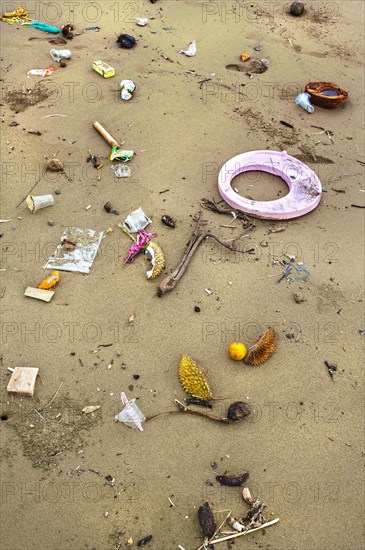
(73, 481)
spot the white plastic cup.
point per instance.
(35, 203)
(128, 87)
(303, 100)
(58, 55)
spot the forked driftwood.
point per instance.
(197, 237)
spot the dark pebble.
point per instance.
(289, 335)
(131, 387)
(197, 309)
(14, 123)
(57, 192)
(136, 376)
(73, 353)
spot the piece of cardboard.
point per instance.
(39, 294)
(22, 381)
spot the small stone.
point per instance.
(14, 123)
(257, 48)
(106, 514)
(131, 387)
(290, 335)
(298, 298)
(136, 376)
(264, 244)
(50, 223)
(197, 309)
(63, 64)
(57, 192)
(72, 353)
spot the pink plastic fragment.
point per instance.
(143, 239)
(305, 189)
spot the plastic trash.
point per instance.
(136, 220)
(41, 26)
(35, 203)
(127, 87)
(142, 21)
(305, 189)
(121, 171)
(303, 100)
(131, 415)
(58, 55)
(126, 41)
(42, 72)
(191, 51)
(102, 68)
(120, 154)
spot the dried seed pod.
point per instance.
(206, 520)
(54, 165)
(263, 349)
(232, 480)
(238, 410)
(156, 257)
(144, 541)
(192, 379)
(167, 220)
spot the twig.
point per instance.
(183, 408)
(236, 535)
(212, 205)
(54, 397)
(358, 206)
(30, 190)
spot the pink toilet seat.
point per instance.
(305, 189)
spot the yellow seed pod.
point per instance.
(156, 257)
(50, 281)
(192, 379)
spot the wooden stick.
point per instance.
(108, 138)
(53, 398)
(248, 532)
(183, 408)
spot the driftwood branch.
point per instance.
(197, 237)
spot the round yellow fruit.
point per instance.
(237, 351)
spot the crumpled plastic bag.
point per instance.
(191, 51)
